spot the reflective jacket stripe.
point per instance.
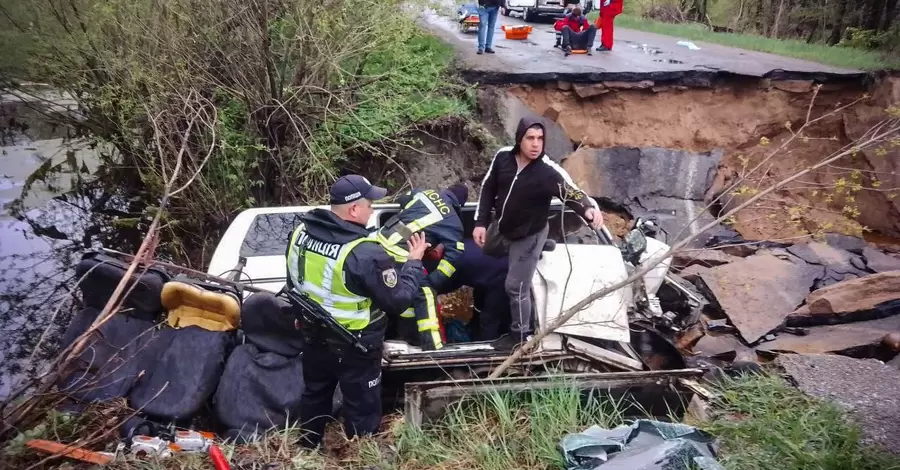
(323, 281)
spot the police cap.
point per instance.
(350, 188)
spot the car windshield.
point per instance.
(269, 234)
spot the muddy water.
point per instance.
(38, 251)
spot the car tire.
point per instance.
(504, 9)
(529, 15)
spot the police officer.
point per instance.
(331, 258)
(437, 214)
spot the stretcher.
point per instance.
(469, 22)
(559, 45)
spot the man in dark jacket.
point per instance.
(436, 213)
(332, 258)
(487, 23)
(577, 32)
(485, 275)
(519, 186)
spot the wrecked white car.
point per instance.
(577, 261)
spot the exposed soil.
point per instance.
(439, 154)
(754, 123)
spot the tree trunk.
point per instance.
(873, 14)
(890, 14)
(837, 31)
(777, 19)
(812, 34)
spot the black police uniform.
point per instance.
(368, 272)
(437, 215)
(486, 275)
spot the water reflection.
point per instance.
(38, 252)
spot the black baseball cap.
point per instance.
(350, 188)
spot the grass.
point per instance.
(760, 421)
(764, 423)
(837, 56)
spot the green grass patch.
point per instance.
(415, 87)
(505, 430)
(764, 423)
(761, 423)
(837, 56)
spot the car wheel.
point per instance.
(504, 9)
(529, 15)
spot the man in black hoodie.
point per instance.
(332, 258)
(519, 187)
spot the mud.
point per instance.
(440, 154)
(749, 120)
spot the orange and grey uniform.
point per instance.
(437, 215)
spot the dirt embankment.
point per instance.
(759, 124)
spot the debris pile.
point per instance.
(839, 295)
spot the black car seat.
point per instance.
(196, 339)
(262, 385)
(126, 343)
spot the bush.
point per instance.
(260, 99)
(873, 40)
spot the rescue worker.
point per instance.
(436, 213)
(486, 276)
(331, 258)
(609, 10)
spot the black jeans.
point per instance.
(324, 366)
(580, 41)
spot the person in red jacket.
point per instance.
(576, 31)
(609, 10)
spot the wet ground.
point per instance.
(635, 56)
(865, 388)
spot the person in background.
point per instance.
(518, 188)
(487, 23)
(577, 31)
(609, 9)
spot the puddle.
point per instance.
(668, 61)
(649, 50)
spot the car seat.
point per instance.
(195, 343)
(126, 343)
(558, 44)
(262, 385)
